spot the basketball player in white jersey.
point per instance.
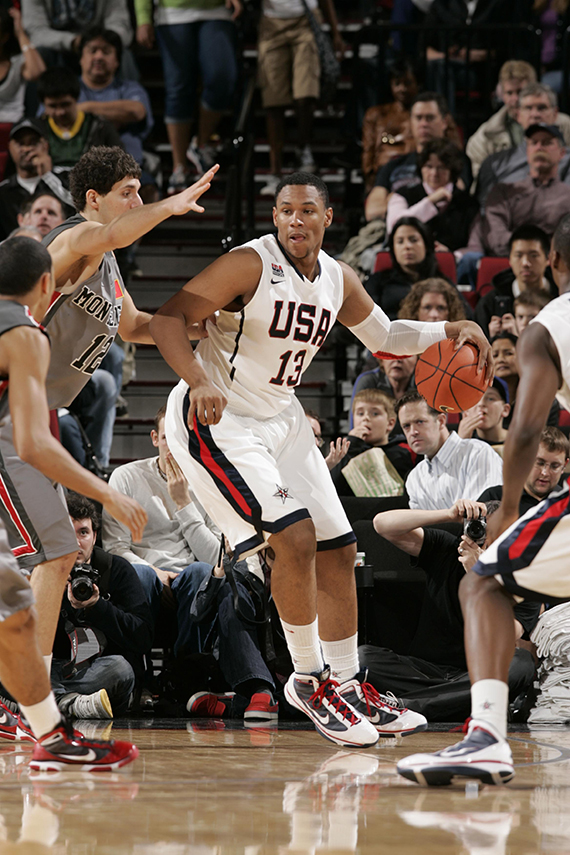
(241, 437)
(529, 558)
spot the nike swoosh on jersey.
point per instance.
(277, 281)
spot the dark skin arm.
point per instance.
(539, 381)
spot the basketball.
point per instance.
(448, 379)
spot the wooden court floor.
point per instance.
(217, 788)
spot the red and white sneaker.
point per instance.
(8, 723)
(262, 707)
(64, 748)
(386, 712)
(25, 732)
(210, 704)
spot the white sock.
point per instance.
(489, 702)
(47, 660)
(42, 717)
(342, 657)
(304, 647)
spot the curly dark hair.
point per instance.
(99, 169)
(82, 508)
(447, 152)
(11, 45)
(410, 305)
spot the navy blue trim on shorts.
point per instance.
(272, 528)
(512, 586)
(336, 542)
(236, 344)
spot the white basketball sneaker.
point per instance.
(386, 712)
(316, 695)
(483, 754)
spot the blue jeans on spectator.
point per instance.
(112, 673)
(190, 637)
(95, 408)
(205, 49)
(468, 267)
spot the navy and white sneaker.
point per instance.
(316, 695)
(386, 712)
(483, 754)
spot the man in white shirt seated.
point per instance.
(452, 468)
(180, 544)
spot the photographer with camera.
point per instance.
(104, 627)
(432, 678)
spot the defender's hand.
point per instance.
(186, 201)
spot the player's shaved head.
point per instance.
(23, 261)
(304, 179)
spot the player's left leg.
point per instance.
(338, 631)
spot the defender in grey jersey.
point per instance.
(26, 279)
(90, 307)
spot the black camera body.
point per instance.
(83, 577)
(476, 530)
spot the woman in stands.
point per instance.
(437, 200)
(412, 251)
(433, 300)
(19, 62)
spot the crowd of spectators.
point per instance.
(432, 191)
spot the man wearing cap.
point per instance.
(485, 419)
(539, 200)
(29, 150)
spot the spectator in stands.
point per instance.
(70, 131)
(29, 151)
(180, 545)
(393, 376)
(102, 635)
(57, 28)
(196, 39)
(546, 474)
(452, 467)
(504, 350)
(433, 300)
(502, 131)
(539, 200)
(337, 450)
(412, 251)
(125, 103)
(43, 212)
(386, 129)
(526, 307)
(19, 62)
(432, 678)
(552, 19)
(537, 105)
(289, 71)
(529, 247)
(377, 463)
(437, 200)
(429, 120)
(485, 419)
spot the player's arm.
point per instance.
(91, 239)
(404, 528)
(539, 381)
(233, 277)
(27, 353)
(134, 323)
(402, 337)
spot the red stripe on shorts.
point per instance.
(28, 548)
(530, 530)
(210, 463)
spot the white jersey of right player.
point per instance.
(556, 318)
(258, 355)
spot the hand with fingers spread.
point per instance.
(337, 451)
(176, 483)
(127, 511)
(207, 403)
(468, 331)
(186, 201)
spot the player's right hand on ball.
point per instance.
(126, 511)
(207, 404)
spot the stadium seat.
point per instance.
(488, 268)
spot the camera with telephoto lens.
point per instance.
(83, 577)
(476, 530)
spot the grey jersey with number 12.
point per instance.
(82, 325)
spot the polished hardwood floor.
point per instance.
(216, 788)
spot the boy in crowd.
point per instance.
(485, 419)
(376, 464)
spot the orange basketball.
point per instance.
(448, 379)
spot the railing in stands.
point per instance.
(240, 184)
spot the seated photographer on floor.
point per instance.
(432, 678)
(104, 628)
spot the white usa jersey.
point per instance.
(556, 318)
(258, 355)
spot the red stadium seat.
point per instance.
(445, 261)
(488, 268)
